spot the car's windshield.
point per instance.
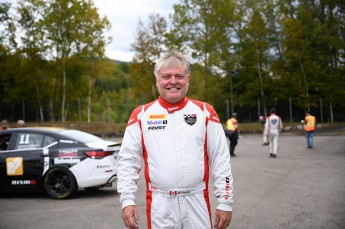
(80, 136)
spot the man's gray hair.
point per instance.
(172, 59)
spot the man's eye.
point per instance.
(166, 77)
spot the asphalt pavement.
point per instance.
(297, 190)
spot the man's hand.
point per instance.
(130, 217)
(223, 219)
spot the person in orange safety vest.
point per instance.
(309, 128)
(231, 131)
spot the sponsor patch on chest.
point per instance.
(156, 122)
(190, 118)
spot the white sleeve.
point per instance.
(220, 168)
(129, 164)
(281, 124)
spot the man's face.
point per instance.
(172, 83)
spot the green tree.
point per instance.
(255, 53)
(148, 46)
(33, 76)
(223, 56)
(7, 30)
(206, 30)
(329, 40)
(194, 21)
(72, 27)
(7, 44)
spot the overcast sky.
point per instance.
(124, 16)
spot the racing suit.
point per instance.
(273, 127)
(180, 145)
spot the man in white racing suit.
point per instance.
(273, 127)
(181, 142)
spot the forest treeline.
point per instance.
(247, 56)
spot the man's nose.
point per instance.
(173, 79)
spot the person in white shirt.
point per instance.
(273, 127)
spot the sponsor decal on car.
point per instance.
(14, 166)
(35, 163)
(67, 153)
(23, 182)
(66, 160)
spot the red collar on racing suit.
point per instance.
(171, 108)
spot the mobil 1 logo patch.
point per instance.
(190, 118)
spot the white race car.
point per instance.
(60, 161)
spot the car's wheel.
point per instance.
(59, 183)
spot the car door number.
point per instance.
(24, 139)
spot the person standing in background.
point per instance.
(231, 132)
(309, 128)
(4, 125)
(264, 136)
(20, 123)
(273, 127)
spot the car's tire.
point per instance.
(60, 183)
